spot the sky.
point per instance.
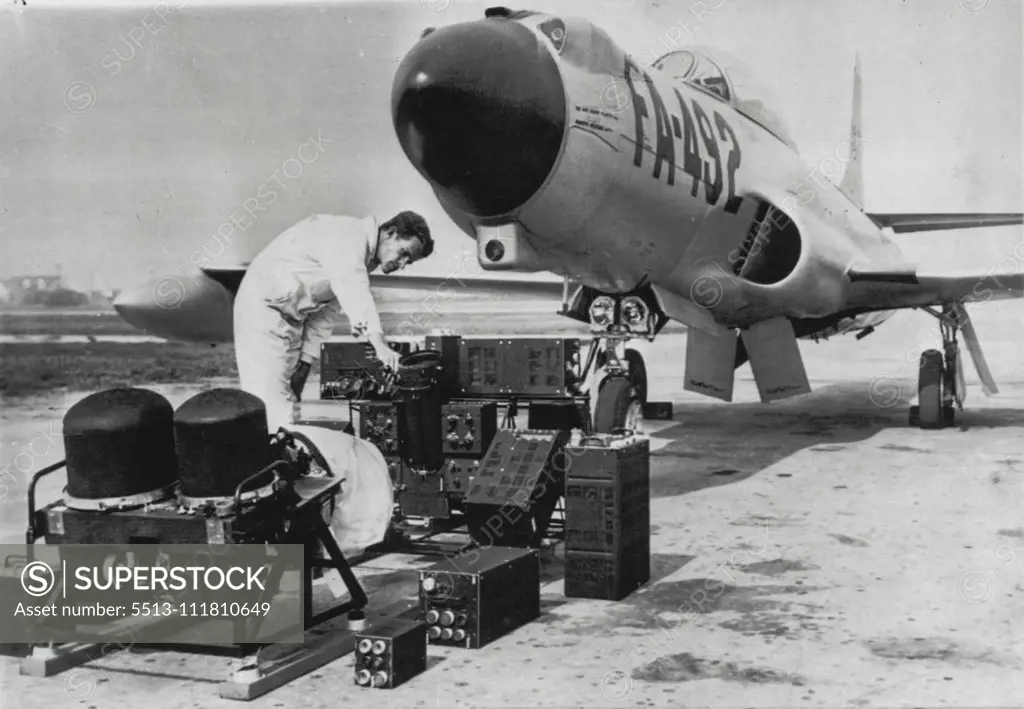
(131, 133)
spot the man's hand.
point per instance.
(298, 380)
(388, 357)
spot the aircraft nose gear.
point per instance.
(941, 387)
(631, 366)
(618, 406)
(622, 391)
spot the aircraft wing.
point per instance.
(231, 277)
(199, 308)
(907, 223)
(470, 286)
(910, 288)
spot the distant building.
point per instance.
(43, 290)
(30, 287)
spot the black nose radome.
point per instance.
(479, 109)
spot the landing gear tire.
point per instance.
(618, 406)
(637, 374)
(941, 388)
(930, 411)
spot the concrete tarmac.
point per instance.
(815, 552)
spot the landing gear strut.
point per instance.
(940, 386)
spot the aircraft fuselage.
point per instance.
(655, 181)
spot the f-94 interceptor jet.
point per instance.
(668, 191)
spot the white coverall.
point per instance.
(290, 298)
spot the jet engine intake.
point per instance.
(771, 250)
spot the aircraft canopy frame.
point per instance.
(728, 79)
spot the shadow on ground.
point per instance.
(720, 444)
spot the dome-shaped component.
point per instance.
(119, 443)
(221, 439)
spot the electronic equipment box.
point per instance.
(459, 474)
(474, 598)
(527, 367)
(423, 494)
(607, 516)
(559, 415)
(351, 370)
(376, 422)
(511, 500)
(469, 428)
(389, 654)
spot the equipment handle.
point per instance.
(271, 469)
(313, 450)
(30, 533)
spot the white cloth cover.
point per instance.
(364, 506)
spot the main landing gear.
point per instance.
(940, 386)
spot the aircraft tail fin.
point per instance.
(853, 178)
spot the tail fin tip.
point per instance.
(853, 177)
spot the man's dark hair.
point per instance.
(411, 225)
